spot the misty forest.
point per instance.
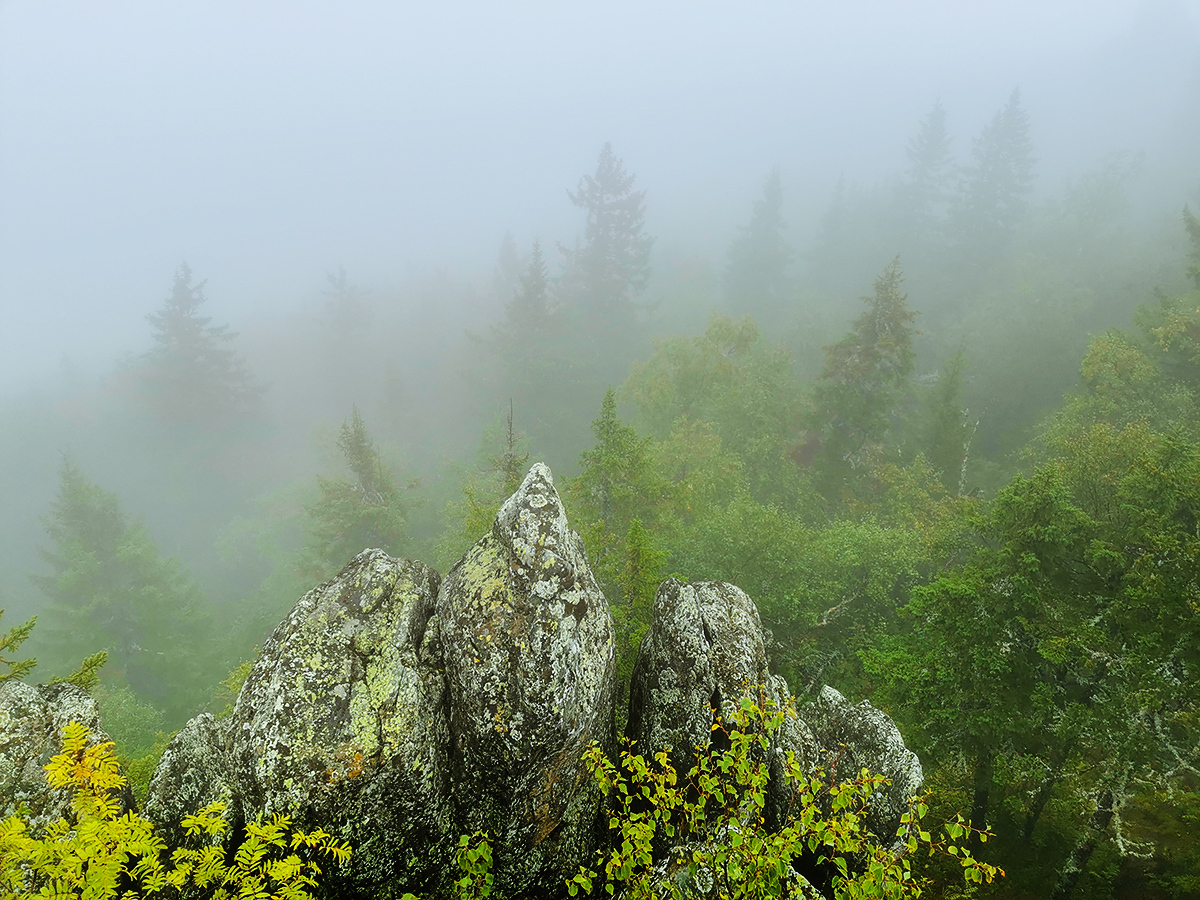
(934, 406)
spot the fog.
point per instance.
(269, 143)
(281, 281)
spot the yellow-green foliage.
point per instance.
(716, 819)
(474, 858)
(105, 854)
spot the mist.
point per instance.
(353, 199)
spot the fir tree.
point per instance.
(865, 374)
(610, 269)
(354, 515)
(993, 197)
(109, 589)
(756, 279)
(923, 194)
(192, 375)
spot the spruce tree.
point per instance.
(192, 375)
(616, 484)
(524, 340)
(993, 196)
(354, 514)
(925, 191)
(865, 374)
(609, 270)
(109, 589)
(756, 279)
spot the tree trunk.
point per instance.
(1045, 789)
(983, 791)
(1073, 869)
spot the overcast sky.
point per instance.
(267, 143)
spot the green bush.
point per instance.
(709, 833)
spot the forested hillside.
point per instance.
(950, 446)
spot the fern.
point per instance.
(109, 854)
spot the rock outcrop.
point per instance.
(529, 659)
(703, 651)
(192, 773)
(341, 723)
(32, 719)
(858, 736)
(399, 710)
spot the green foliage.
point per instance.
(10, 642)
(1174, 326)
(611, 490)
(353, 515)
(746, 389)
(138, 729)
(87, 676)
(474, 858)
(865, 376)
(104, 854)
(133, 725)
(824, 592)
(109, 586)
(639, 580)
(1062, 642)
(709, 835)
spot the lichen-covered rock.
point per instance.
(703, 652)
(340, 724)
(32, 719)
(193, 772)
(859, 736)
(529, 658)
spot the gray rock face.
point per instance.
(192, 773)
(32, 719)
(859, 736)
(398, 711)
(529, 659)
(703, 651)
(340, 723)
